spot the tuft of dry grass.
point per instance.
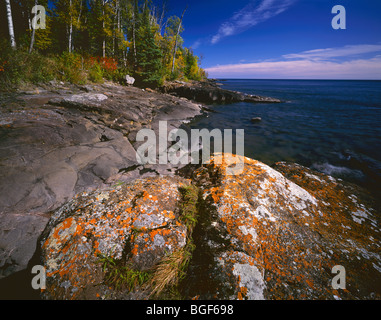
(164, 279)
(171, 270)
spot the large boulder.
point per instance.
(263, 236)
(18, 239)
(259, 236)
(134, 226)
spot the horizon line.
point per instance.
(294, 79)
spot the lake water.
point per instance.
(330, 126)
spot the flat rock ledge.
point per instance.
(60, 140)
(264, 233)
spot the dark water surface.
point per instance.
(330, 126)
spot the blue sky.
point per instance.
(283, 39)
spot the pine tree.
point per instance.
(149, 71)
(100, 26)
(132, 21)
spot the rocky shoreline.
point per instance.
(209, 92)
(59, 140)
(73, 195)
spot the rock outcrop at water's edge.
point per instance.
(259, 236)
(107, 227)
(209, 92)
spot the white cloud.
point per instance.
(313, 64)
(196, 44)
(328, 53)
(251, 15)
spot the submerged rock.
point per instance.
(256, 120)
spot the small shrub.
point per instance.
(109, 67)
(171, 270)
(99, 67)
(42, 69)
(18, 66)
(71, 68)
(95, 74)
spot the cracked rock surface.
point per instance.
(277, 234)
(261, 234)
(60, 141)
(70, 186)
(137, 224)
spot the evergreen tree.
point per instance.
(131, 22)
(149, 71)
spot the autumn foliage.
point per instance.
(102, 40)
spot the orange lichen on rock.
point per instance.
(295, 232)
(262, 234)
(139, 217)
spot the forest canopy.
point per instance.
(92, 40)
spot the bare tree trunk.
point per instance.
(71, 27)
(32, 40)
(152, 16)
(80, 13)
(115, 27)
(113, 37)
(177, 35)
(103, 26)
(162, 16)
(70, 37)
(10, 24)
(133, 34)
(33, 30)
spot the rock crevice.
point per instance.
(259, 235)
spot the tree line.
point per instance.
(96, 39)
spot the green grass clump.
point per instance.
(121, 277)
(189, 207)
